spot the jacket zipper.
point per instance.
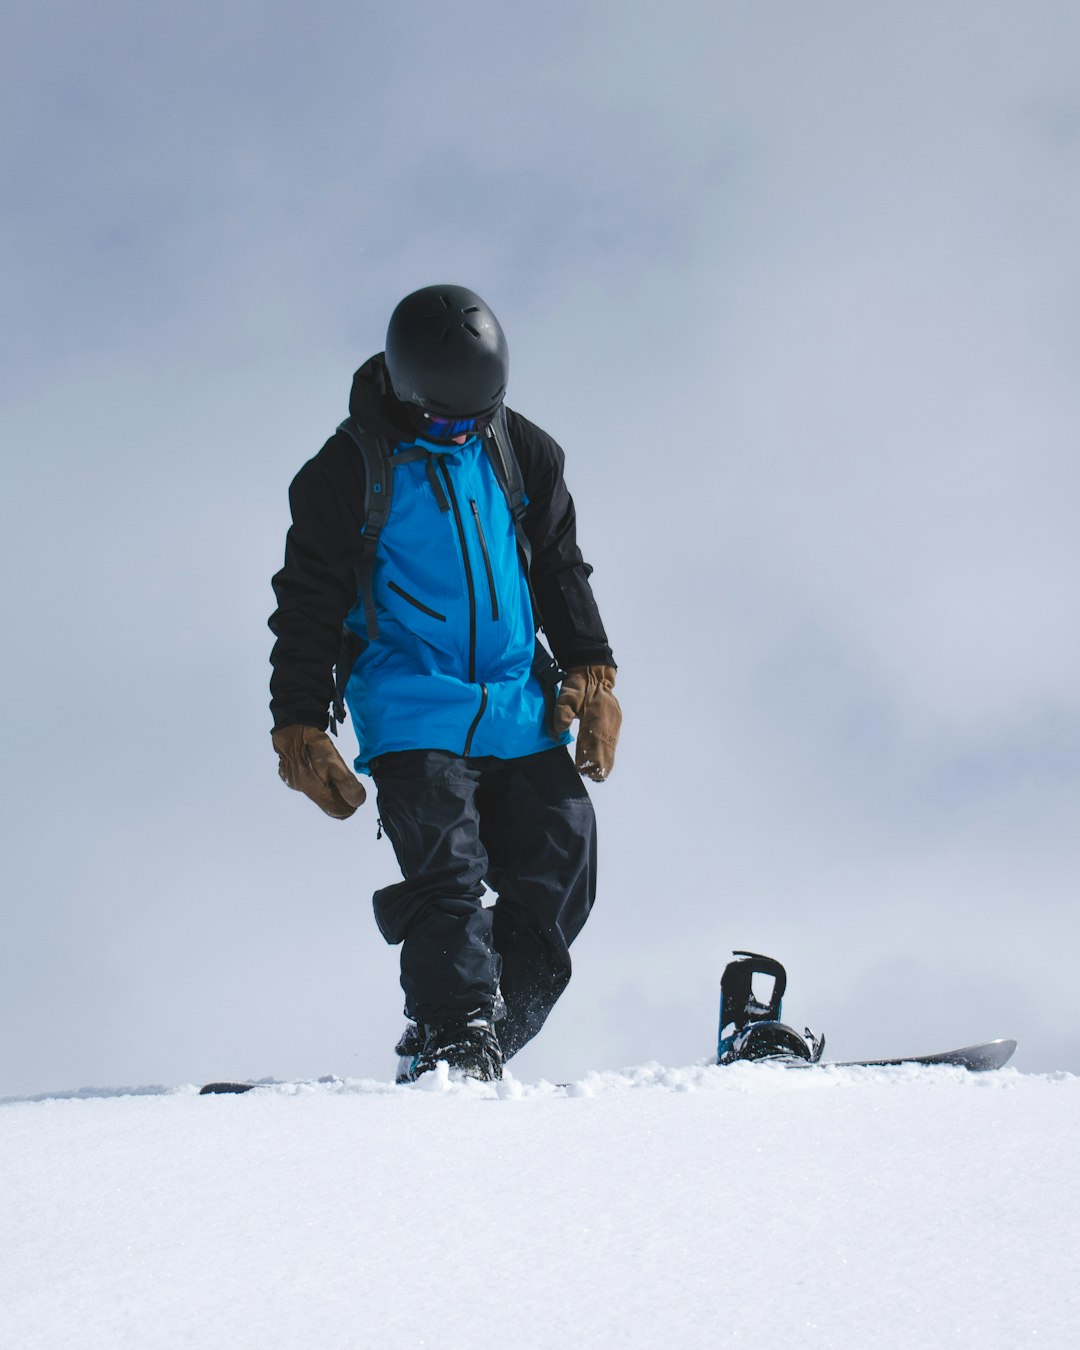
(472, 603)
(425, 609)
(487, 563)
(468, 568)
(476, 719)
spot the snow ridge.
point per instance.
(693, 1206)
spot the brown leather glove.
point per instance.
(587, 695)
(309, 762)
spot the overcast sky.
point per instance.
(797, 288)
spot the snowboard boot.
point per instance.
(409, 1045)
(469, 1047)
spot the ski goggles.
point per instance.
(447, 428)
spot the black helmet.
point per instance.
(446, 352)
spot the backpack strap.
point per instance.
(508, 475)
(418, 452)
(378, 491)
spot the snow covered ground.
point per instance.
(654, 1207)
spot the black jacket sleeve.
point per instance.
(316, 587)
(560, 577)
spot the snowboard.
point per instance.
(976, 1058)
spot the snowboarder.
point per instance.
(435, 531)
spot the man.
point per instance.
(461, 715)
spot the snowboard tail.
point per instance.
(976, 1058)
(227, 1087)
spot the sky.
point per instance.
(796, 288)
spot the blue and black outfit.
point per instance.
(450, 701)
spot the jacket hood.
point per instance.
(373, 404)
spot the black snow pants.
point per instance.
(526, 828)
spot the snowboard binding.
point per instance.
(751, 1029)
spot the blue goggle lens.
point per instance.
(446, 428)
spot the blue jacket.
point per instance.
(452, 667)
(456, 662)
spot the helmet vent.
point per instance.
(471, 309)
(470, 329)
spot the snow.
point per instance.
(699, 1206)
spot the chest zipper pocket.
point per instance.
(419, 604)
(487, 563)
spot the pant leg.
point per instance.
(538, 828)
(428, 806)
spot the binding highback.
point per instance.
(738, 1005)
